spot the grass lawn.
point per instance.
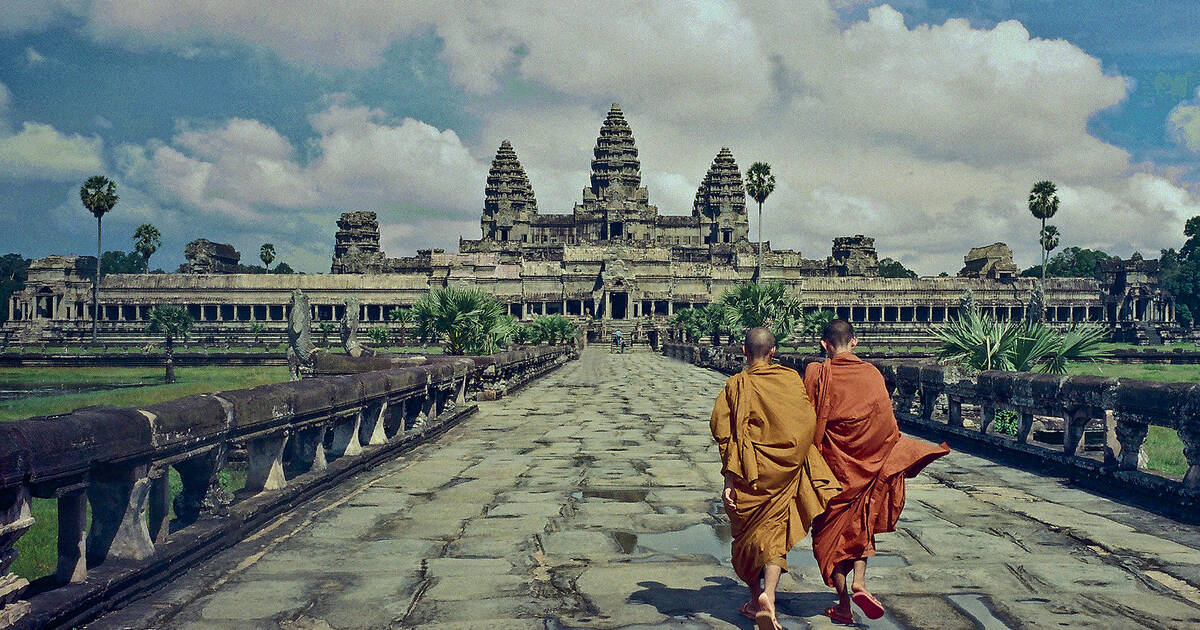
(189, 380)
(1164, 449)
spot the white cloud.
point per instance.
(1183, 124)
(41, 152)
(33, 57)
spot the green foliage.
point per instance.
(326, 329)
(1183, 315)
(549, 329)
(1072, 262)
(257, 329)
(889, 268)
(146, 240)
(266, 253)
(469, 320)
(760, 183)
(1006, 422)
(283, 268)
(117, 261)
(978, 342)
(1049, 238)
(14, 268)
(689, 321)
(1043, 204)
(753, 304)
(171, 321)
(815, 322)
(379, 336)
(99, 195)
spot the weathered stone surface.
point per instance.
(205, 256)
(624, 530)
(993, 261)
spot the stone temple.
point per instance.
(614, 263)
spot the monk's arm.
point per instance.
(811, 374)
(721, 425)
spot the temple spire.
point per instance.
(508, 188)
(616, 163)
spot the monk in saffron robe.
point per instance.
(775, 480)
(857, 434)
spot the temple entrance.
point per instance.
(620, 304)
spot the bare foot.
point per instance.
(765, 617)
(748, 609)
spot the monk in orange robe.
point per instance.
(775, 480)
(857, 434)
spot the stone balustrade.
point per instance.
(299, 438)
(937, 400)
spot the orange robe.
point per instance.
(858, 436)
(763, 424)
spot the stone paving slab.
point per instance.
(589, 500)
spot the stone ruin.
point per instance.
(301, 349)
(356, 244)
(994, 262)
(854, 256)
(205, 256)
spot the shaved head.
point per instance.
(838, 333)
(759, 343)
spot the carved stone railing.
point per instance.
(299, 438)
(937, 400)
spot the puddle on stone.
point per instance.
(974, 606)
(611, 494)
(456, 481)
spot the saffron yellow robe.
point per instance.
(763, 424)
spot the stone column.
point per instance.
(308, 450)
(1074, 424)
(1024, 426)
(118, 499)
(987, 413)
(265, 463)
(1189, 434)
(345, 435)
(372, 432)
(1124, 442)
(159, 506)
(199, 475)
(15, 520)
(72, 540)
(954, 412)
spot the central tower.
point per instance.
(616, 206)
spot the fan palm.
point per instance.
(760, 183)
(469, 320)
(1043, 204)
(768, 305)
(1049, 239)
(266, 253)
(978, 342)
(99, 195)
(146, 240)
(172, 322)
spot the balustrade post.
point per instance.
(15, 520)
(987, 413)
(1025, 427)
(954, 412)
(414, 409)
(1189, 434)
(440, 398)
(372, 432)
(118, 500)
(308, 450)
(345, 436)
(264, 461)
(1074, 424)
(159, 506)
(199, 477)
(72, 538)
(1125, 441)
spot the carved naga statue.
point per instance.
(301, 349)
(350, 320)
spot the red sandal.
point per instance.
(869, 605)
(837, 616)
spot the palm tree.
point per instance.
(978, 342)
(266, 253)
(99, 195)
(172, 322)
(816, 321)
(469, 320)
(760, 183)
(1049, 241)
(404, 316)
(1043, 204)
(146, 240)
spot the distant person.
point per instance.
(775, 480)
(857, 434)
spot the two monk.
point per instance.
(857, 435)
(776, 482)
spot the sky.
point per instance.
(922, 123)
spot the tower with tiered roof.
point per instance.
(509, 205)
(720, 203)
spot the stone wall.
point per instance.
(1113, 415)
(299, 438)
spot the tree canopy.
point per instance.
(889, 268)
(1072, 262)
(117, 261)
(13, 270)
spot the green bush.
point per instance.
(379, 336)
(1006, 422)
